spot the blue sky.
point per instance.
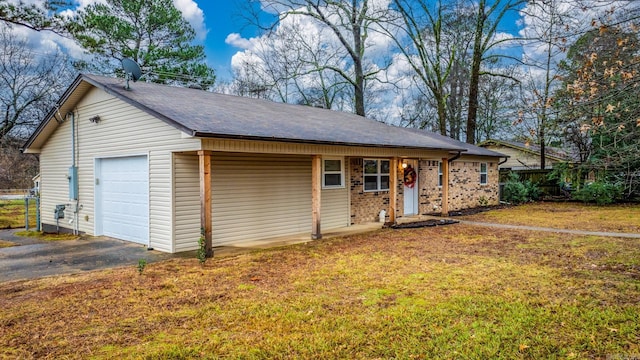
(223, 17)
(221, 20)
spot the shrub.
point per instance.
(599, 192)
(201, 253)
(533, 192)
(517, 192)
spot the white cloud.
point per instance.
(194, 15)
(236, 40)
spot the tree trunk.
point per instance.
(474, 82)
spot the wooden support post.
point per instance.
(445, 187)
(206, 225)
(393, 190)
(316, 192)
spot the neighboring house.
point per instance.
(36, 184)
(526, 156)
(157, 165)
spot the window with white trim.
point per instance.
(439, 173)
(483, 173)
(332, 173)
(376, 174)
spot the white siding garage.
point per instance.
(122, 198)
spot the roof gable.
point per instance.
(551, 152)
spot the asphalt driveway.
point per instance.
(34, 258)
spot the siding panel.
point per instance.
(123, 130)
(258, 196)
(186, 202)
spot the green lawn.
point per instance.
(457, 291)
(12, 214)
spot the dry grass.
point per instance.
(4, 244)
(575, 216)
(47, 236)
(448, 292)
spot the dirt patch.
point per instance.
(472, 211)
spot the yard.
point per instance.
(454, 291)
(12, 214)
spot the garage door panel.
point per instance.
(123, 187)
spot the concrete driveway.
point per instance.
(34, 258)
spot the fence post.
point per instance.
(26, 213)
(38, 227)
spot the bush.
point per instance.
(533, 192)
(517, 192)
(599, 192)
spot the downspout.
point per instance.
(73, 175)
(73, 137)
(503, 161)
(455, 157)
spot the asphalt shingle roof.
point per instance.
(206, 114)
(210, 114)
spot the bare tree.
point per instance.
(488, 16)
(16, 169)
(425, 51)
(350, 22)
(497, 104)
(29, 83)
(291, 65)
(550, 28)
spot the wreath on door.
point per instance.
(409, 177)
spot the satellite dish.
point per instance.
(131, 70)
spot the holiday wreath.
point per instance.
(409, 177)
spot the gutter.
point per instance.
(199, 134)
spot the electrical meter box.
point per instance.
(73, 183)
(59, 212)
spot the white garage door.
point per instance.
(122, 198)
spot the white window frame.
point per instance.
(378, 175)
(325, 172)
(485, 173)
(440, 175)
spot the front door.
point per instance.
(410, 187)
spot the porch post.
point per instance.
(445, 187)
(204, 158)
(393, 190)
(316, 192)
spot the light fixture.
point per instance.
(404, 164)
(95, 119)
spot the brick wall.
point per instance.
(465, 190)
(430, 196)
(365, 206)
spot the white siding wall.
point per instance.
(186, 202)
(257, 196)
(123, 130)
(335, 208)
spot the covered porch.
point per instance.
(316, 192)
